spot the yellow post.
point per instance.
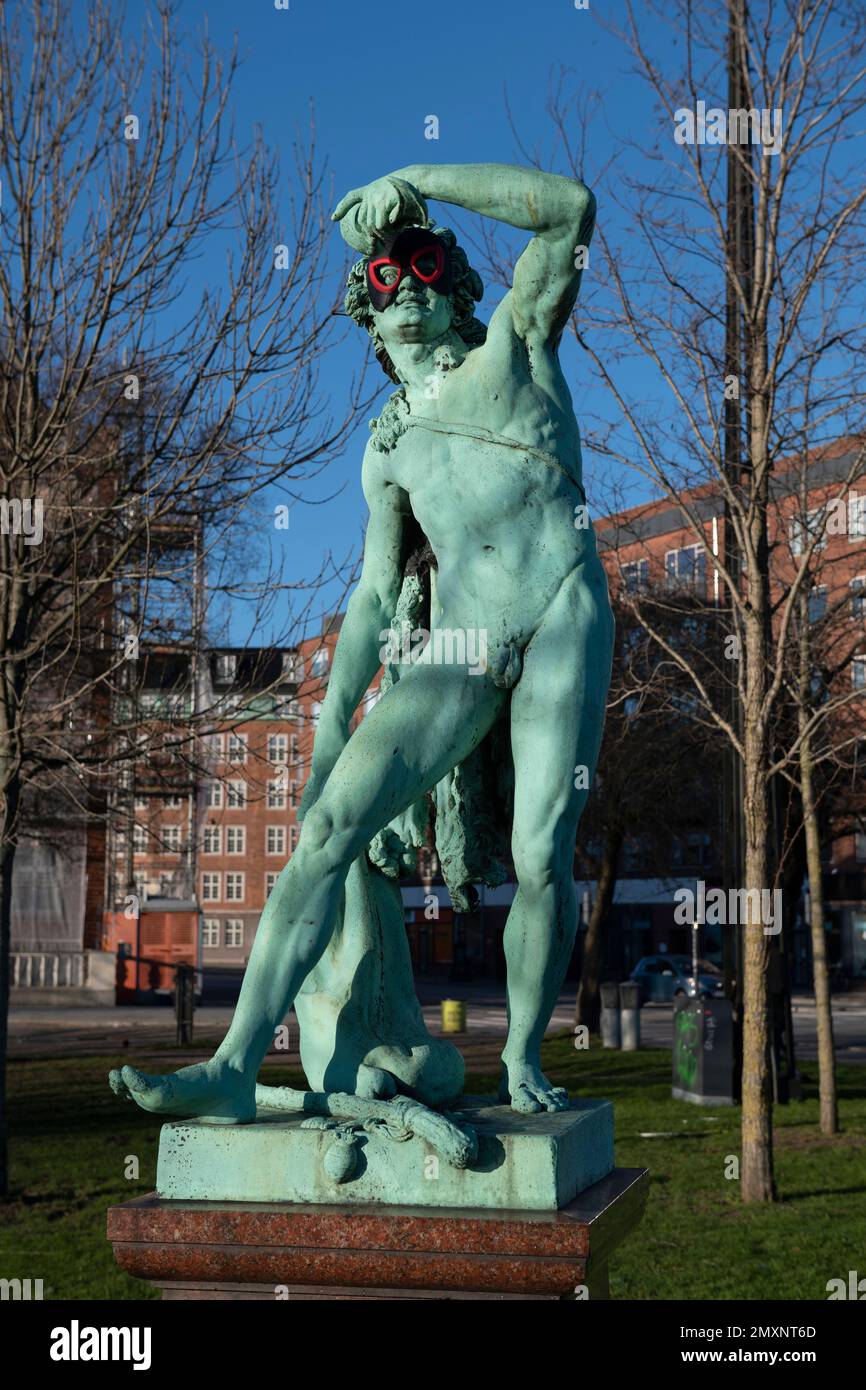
(453, 1016)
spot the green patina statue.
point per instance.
(479, 541)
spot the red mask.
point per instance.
(415, 251)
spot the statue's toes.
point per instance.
(117, 1084)
(133, 1079)
(524, 1101)
(150, 1092)
(555, 1099)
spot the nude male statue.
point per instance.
(480, 449)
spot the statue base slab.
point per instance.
(284, 1252)
(526, 1162)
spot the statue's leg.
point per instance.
(557, 717)
(431, 719)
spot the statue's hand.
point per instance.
(393, 849)
(367, 215)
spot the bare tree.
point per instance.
(711, 435)
(801, 64)
(825, 639)
(131, 402)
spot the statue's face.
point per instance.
(409, 285)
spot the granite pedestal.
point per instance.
(299, 1251)
(271, 1211)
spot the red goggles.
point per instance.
(426, 264)
(412, 252)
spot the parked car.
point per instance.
(662, 978)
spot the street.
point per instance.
(64, 1031)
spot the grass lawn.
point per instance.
(72, 1139)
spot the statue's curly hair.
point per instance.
(467, 289)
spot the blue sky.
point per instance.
(374, 74)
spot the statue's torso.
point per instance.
(507, 524)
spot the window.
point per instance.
(170, 839)
(173, 803)
(634, 852)
(140, 839)
(236, 795)
(216, 747)
(210, 888)
(802, 530)
(369, 701)
(817, 603)
(858, 673)
(287, 707)
(226, 667)
(686, 567)
(857, 516)
(234, 888)
(320, 662)
(294, 832)
(213, 839)
(293, 666)
(293, 795)
(235, 839)
(315, 710)
(210, 931)
(237, 748)
(213, 795)
(635, 575)
(234, 931)
(275, 839)
(141, 803)
(276, 798)
(293, 748)
(697, 848)
(858, 596)
(270, 880)
(277, 745)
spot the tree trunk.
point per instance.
(588, 1007)
(820, 974)
(757, 1182)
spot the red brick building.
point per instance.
(223, 843)
(650, 545)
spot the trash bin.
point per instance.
(610, 1023)
(629, 1003)
(703, 1055)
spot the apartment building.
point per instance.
(650, 545)
(221, 845)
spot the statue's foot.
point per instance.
(211, 1091)
(528, 1089)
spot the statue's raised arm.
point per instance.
(559, 211)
